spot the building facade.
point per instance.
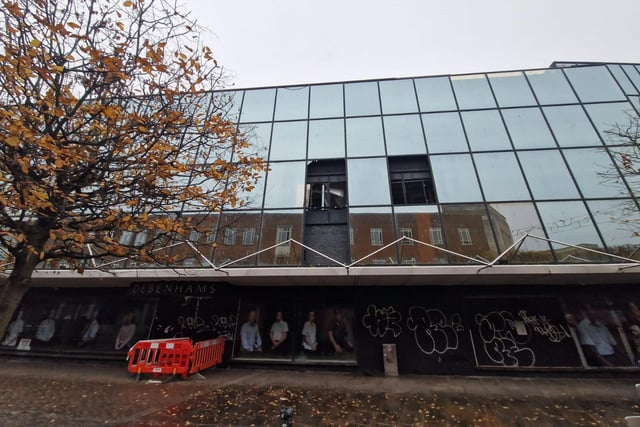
(478, 221)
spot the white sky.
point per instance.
(276, 42)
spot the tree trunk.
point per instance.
(14, 288)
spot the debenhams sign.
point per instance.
(198, 289)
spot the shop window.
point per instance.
(407, 232)
(411, 180)
(465, 236)
(436, 235)
(248, 236)
(326, 185)
(376, 236)
(229, 236)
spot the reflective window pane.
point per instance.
(289, 141)
(398, 96)
(362, 98)
(569, 222)
(622, 79)
(326, 139)
(472, 91)
(485, 130)
(423, 224)
(280, 226)
(372, 228)
(571, 126)
(551, 87)
(404, 135)
(444, 133)
(594, 84)
(595, 173)
(257, 105)
(528, 128)
(240, 241)
(285, 185)
(434, 94)
(229, 103)
(511, 89)
(501, 177)
(253, 197)
(455, 178)
(617, 221)
(364, 137)
(368, 182)
(326, 101)
(467, 231)
(633, 75)
(547, 175)
(292, 103)
(258, 136)
(513, 221)
(607, 116)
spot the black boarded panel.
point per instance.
(527, 332)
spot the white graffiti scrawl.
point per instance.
(433, 332)
(383, 320)
(501, 342)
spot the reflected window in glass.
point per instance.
(376, 236)
(468, 232)
(326, 101)
(547, 175)
(472, 91)
(362, 99)
(257, 105)
(594, 84)
(398, 96)
(435, 94)
(500, 177)
(435, 234)
(404, 135)
(285, 185)
(326, 139)
(511, 89)
(551, 87)
(571, 126)
(455, 178)
(485, 130)
(368, 182)
(364, 137)
(444, 133)
(606, 117)
(528, 128)
(292, 103)
(248, 236)
(289, 141)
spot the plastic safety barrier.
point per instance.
(206, 354)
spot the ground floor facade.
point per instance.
(461, 329)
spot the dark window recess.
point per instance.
(411, 181)
(326, 185)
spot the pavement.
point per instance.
(39, 392)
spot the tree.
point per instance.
(107, 124)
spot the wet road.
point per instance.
(66, 393)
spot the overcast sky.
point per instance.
(275, 42)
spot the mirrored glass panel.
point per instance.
(280, 227)
(551, 87)
(364, 137)
(421, 223)
(515, 221)
(435, 94)
(607, 116)
(292, 103)
(372, 229)
(633, 75)
(444, 133)
(252, 198)
(485, 130)
(595, 173)
(569, 222)
(285, 185)
(368, 182)
(455, 178)
(622, 79)
(547, 175)
(472, 91)
(635, 100)
(326, 139)
(404, 135)
(511, 89)
(528, 128)
(326, 101)
(467, 231)
(501, 177)
(362, 99)
(258, 136)
(618, 222)
(228, 103)
(630, 174)
(571, 126)
(594, 84)
(398, 96)
(257, 105)
(288, 141)
(237, 238)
